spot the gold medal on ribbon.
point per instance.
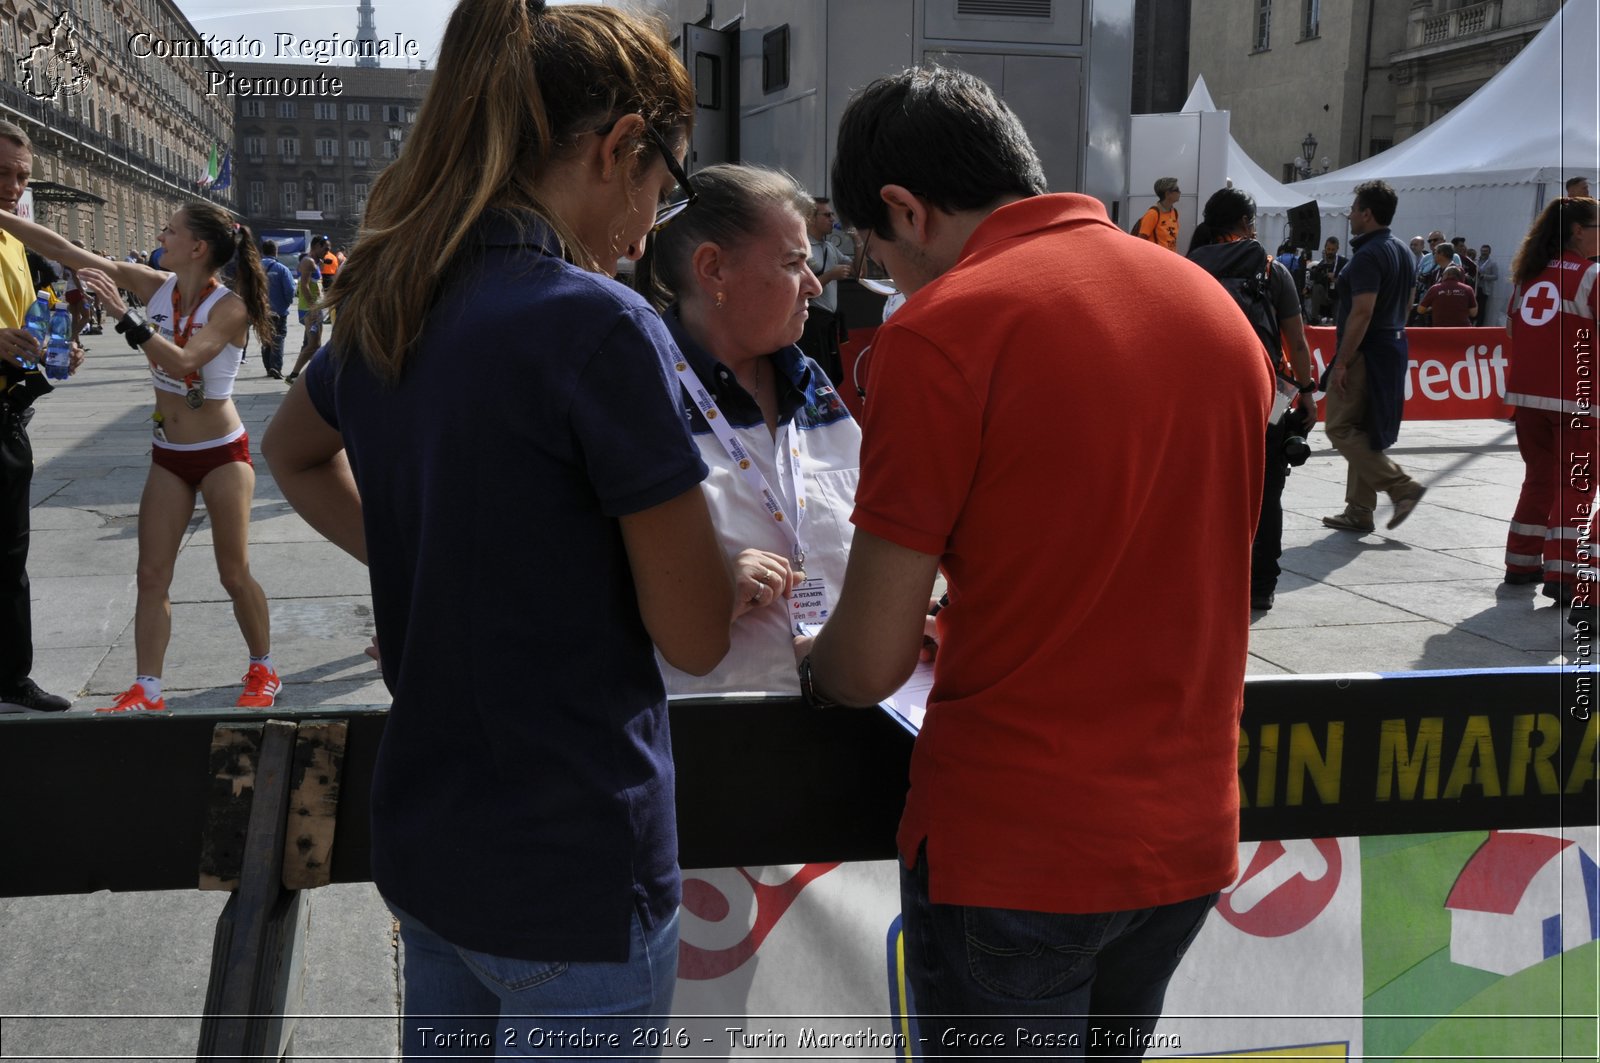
(195, 397)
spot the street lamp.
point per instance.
(1304, 161)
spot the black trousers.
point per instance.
(16, 614)
(1268, 544)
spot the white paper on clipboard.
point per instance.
(910, 702)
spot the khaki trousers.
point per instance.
(1371, 470)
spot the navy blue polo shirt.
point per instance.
(523, 797)
(1378, 263)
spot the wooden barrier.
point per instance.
(270, 804)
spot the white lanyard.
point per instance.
(793, 529)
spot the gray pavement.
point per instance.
(122, 975)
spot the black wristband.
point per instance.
(132, 318)
(1307, 389)
(135, 327)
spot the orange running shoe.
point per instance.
(134, 700)
(261, 686)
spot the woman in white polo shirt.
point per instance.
(784, 452)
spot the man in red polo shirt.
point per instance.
(1090, 489)
(1451, 303)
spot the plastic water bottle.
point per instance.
(58, 351)
(38, 323)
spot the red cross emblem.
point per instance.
(1539, 306)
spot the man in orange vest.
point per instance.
(327, 261)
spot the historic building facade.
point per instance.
(109, 117)
(308, 161)
(1452, 47)
(1355, 76)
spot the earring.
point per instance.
(720, 298)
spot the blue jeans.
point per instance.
(460, 1003)
(1083, 985)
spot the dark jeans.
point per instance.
(1268, 544)
(272, 356)
(16, 616)
(1080, 986)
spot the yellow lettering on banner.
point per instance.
(1244, 758)
(1524, 753)
(1306, 759)
(1584, 764)
(1267, 766)
(1397, 759)
(1476, 744)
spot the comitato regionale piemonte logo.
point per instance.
(54, 67)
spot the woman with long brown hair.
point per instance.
(1552, 383)
(490, 430)
(193, 331)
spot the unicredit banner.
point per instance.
(1455, 373)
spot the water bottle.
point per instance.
(38, 323)
(58, 351)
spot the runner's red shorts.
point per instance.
(191, 466)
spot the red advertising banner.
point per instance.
(1455, 373)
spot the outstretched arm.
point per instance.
(141, 280)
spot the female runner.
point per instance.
(193, 336)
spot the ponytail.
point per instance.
(252, 281)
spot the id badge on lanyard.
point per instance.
(808, 601)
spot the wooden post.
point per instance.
(257, 958)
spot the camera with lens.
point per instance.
(1296, 451)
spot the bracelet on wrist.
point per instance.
(808, 691)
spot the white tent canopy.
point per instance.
(1484, 170)
(1269, 194)
(1273, 198)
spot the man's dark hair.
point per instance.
(939, 132)
(1459, 241)
(269, 248)
(1574, 182)
(1227, 211)
(1379, 198)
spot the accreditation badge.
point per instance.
(808, 602)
